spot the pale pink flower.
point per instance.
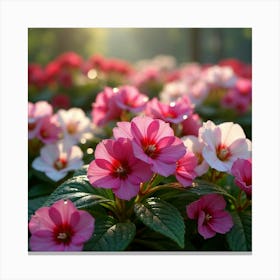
(115, 167)
(174, 112)
(220, 76)
(196, 146)
(105, 109)
(224, 143)
(56, 160)
(75, 125)
(198, 91)
(242, 171)
(49, 130)
(191, 72)
(211, 216)
(130, 99)
(60, 227)
(153, 142)
(37, 111)
(239, 98)
(172, 91)
(185, 169)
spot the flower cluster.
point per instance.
(58, 135)
(153, 146)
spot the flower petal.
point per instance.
(203, 228)
(193, 209)
(123, 129)
(100, 177)
(231, 132)
(127, 190)
(221, 222)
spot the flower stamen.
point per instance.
(60, 163)
(223, 153)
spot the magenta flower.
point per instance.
(115, 167)
(242, 171)
(60, 227)
(174, 112)
(211, 216)
(130, 99)
(153, 142)
(191, 125)
(105, 109)
(185, 170)
(37, 111)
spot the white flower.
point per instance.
(224, 144)
(56, 160)
(173, 91)
(196, 146)
(220, 76)
(75, 125)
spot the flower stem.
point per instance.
(121, 209)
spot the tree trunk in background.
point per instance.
(194, 43)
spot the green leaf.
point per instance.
(81, 171)
(162, 217)
(202, 187)
(240, 236)
(40, 190)
(81, 193)
(110, 235)
(35, 204)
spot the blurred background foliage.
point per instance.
(203, 45)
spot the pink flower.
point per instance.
(174, 112)
(50, 130)
(60, 227)
(195, 145)
(37, 111)
(115, 167)
(211, 216)
(191, 125)
(185, 169)
(237, 100)
(224, 144)
(198, 91)
(242, 171)
(56, 160)
(240, 68)
(69, 60)
(130, 99)
(105, 109)
(61, 101)
(36, 75)
(153, 142)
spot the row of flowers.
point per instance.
(160, 77)
(140, 145)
